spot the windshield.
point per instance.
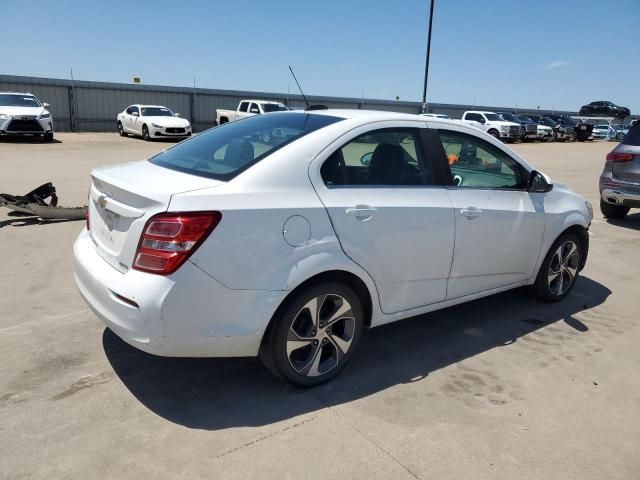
(273, 107)
(224, 152)
(550, 122)
(493, 117)
(570, 121)
(525, 119)
(156, 112)
(509, 117)
(19, 101)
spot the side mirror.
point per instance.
(482, 120)
(539, 182)
(135, 114)
(366, 159)
(255, 110)
(46, 105)
(177, 114)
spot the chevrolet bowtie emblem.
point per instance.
(102, 201)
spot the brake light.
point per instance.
(168, 239)
(616, 157)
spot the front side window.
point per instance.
(474, 116)
(254, 108)
(225, 151)
(475, 163)
(386, 157)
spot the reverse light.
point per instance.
(617, 157)
(168, 239)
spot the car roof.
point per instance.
(17, 93)
(143, 105)
(261, 101)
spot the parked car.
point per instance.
(582, 130)
(604, 109)
(494, 125)
(248, 108)
(22, 114)
(620, 179)
(544, 132)
(621, 131)
(528, 129)
(560, 132)
(151, 122)
(223, 245)
(603, 132)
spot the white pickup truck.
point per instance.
(493, 124)
(248, 108)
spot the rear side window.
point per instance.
(244, 106)
(223, 152)
(385, 157)
(633, 137)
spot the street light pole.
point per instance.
(426, 66)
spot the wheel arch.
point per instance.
(345, 277)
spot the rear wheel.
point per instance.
(121, 131)
(559, 270)
(613, 211)
(145, 133)
(315, 336)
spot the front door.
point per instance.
(499, 224)
(388, 213)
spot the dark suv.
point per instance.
(560, 131)
(528, 130)
(604, 109)
(581, 130)
(620, 179)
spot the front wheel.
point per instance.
(48, 137)
(613, 211)
(494, 134)
(145, 133)
(315, 336)
(121, 131)
(560, 268)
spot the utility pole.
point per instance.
(426, 65)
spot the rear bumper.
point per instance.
(618, 196)
(187, 314)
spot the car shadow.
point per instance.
(631, 221)
(217, 394)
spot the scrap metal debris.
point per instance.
(43, 203)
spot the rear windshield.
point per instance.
(633, 137)
(225, 151)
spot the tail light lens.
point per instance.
(616, 157)
(168, 239)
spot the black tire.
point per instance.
(613, 211)
(145, 133)
(553, 289)
(48, 137)
(494, 133)
(294, 325)
(121, 131)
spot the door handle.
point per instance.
(471, 212)
(361, 212)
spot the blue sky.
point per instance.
(553, 54)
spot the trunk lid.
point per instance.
(123, 197)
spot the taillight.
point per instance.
(617, 157)
(168, 239)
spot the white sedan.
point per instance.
(225, 245)
(151, 122)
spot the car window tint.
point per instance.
(244, 106)
(475, 163)
(383, 157)
(633, 136)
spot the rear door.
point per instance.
(391, 217)
(499, 224)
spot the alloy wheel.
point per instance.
(563, 268)
(320, 335)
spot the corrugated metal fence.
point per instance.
(92, 106)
